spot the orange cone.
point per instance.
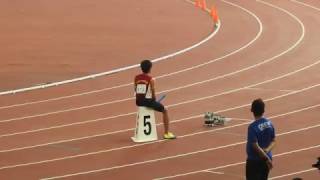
(198, 3)
(203, 4)
(214, 15)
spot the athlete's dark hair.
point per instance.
(146, 66)
(257, 107)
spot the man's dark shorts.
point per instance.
(151, 104)
(256, 170)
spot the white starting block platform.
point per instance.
(212, 119)
(146, 128)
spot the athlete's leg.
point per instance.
(165, 120)
(165, 116)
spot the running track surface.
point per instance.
(265, 49)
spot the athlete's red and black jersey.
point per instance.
(143, 87)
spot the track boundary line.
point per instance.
(213, 33)
(305, 4)
(266, 89)
(236, 164)
(215, 172)
(213, 168)
(162, 76)
(293, 173)
(159, 141)
(132, 113)
(186, 86)
(219, 111)
(227, 146)
(180, 155)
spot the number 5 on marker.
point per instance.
(147, 125)
(146, 128)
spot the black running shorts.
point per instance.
(151, 104)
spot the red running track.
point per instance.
(264, 49)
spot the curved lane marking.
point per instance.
(277, 97)
(178, 88)
(162, 76)
(183, 136)
(113, 71)
(93, 171)
(229, 165)
(294, 173)
(112, 117)
(307, 5)
(159, 141)
(179, 155)
(239, 163)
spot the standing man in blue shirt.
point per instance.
(261, 140)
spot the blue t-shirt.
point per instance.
(261, 131)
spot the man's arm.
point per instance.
(134, 86)
(270, 147)
(262, 154)
(273, 142)
(153, 89)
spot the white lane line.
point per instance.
(186, 86)
(162, 76)
(215, 172)
(307, 5)
(238, 163)
(143, 144)
(241, 106)
(232, 134)
(293, 173)
(233, 175)
(265, 89)
(179, 155)
(240, 119)
(218, 167)
(132, 113)
(227, 174)
(116, 149)
(200, 171)
(174, 89)
(115, 70)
